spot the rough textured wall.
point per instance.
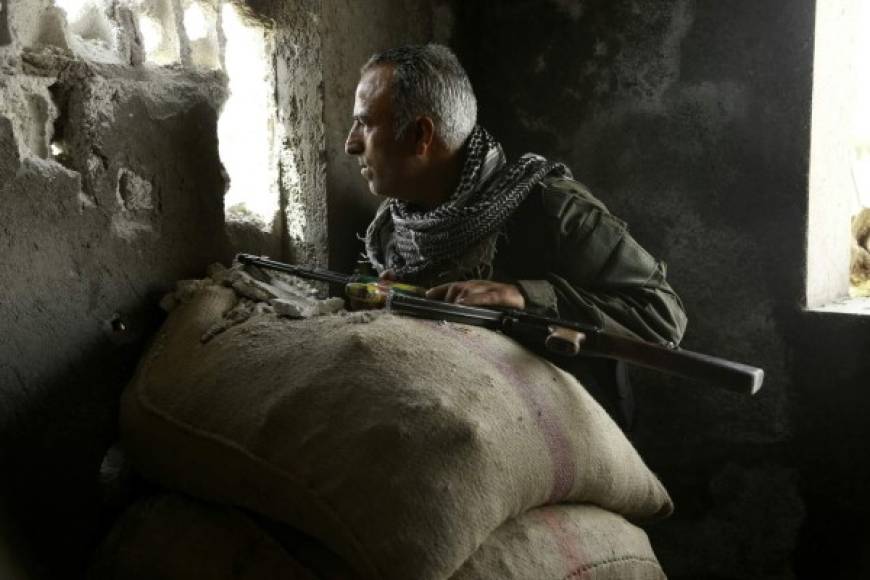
(111, 189)
(352, 31)
(691, 121)
(295, 38)
(299, 77)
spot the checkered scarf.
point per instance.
(489, 191)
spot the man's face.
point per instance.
(386, 164)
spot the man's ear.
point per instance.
(424, 135)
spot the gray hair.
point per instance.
(429, 80)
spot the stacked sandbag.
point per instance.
(170, 537)
(564, 542)
(401, 444)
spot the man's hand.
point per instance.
(479, 293)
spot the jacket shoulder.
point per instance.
(560, 194)
(571, 205)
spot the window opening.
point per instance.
(92, 34)
(5, 36)
(838, 249)
(214, 35)
(195, 24)
(860, 259)
(247, 128)
(158, 26)
(36, 139)
(200, 27)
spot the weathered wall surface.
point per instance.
(353, 31)
(295, 39)
(691, 121)
(111, 190)
(299, 87)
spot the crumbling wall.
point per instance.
(297, 33)
(111, 190)
(300, 97)
(691, 121)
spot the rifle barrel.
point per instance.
(407, 305)
(308, 272)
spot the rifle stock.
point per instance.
(569, 338)
(727, 374)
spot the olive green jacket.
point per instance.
(573, 259)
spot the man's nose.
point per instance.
(353, 144)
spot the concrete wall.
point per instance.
(90, 237)
(111, 189)
(296, 44)
(691, 120)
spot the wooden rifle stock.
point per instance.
(727, 374)
(570, 338)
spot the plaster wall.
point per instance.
(91, 236)
(112, 189)
(294, 32)
(300, 93)
(691, 120)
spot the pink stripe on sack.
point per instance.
(566, 542)
(542, 409)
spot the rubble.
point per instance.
(259, 293)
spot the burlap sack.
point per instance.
(170, 537)
(564, 542)
(401, 444)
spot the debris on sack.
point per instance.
(258, 292)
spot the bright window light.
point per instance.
(74, 8)
(861, 109)
(157, 24)
(839, 181)
(195, 23)
(152, 34)
(245, 129)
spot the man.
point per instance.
(479, 230)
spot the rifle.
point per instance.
(562, 337)
(368, 291)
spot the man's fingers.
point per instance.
(437, 292)
(455, 292)
(480, 298)
(471, 292)
(478, 293)
(449, 292)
